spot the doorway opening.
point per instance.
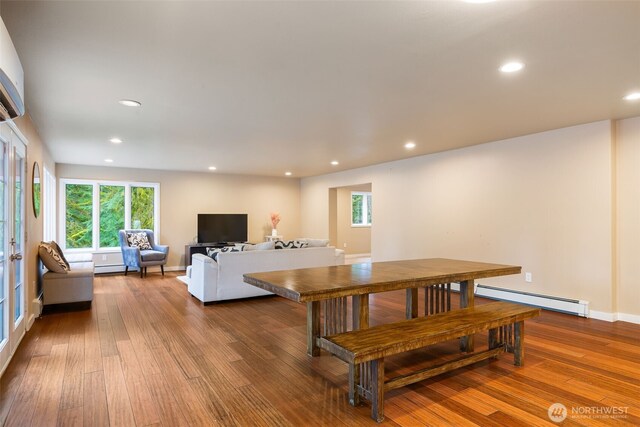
(351, 220)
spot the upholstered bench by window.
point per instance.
(65, 285)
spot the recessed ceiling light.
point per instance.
(335, 163)
(410, 145)
(108, 160)
(212, 168)
(633, 96)
(478, 1)
(287, 173)
(512, 67)
(129, 103)
(116, 140)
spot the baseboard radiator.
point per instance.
(563, 305)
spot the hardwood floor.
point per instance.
(147, 353)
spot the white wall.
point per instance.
(36, 152)
(628, 215)
(542, 201)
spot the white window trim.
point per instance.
(365, 209)
(48, 204)
(96, 210)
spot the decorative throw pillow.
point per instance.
(139, 240)
(213, 252)
(57, 248)
(51, 258)
(290, 244)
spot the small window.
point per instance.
(360, 209)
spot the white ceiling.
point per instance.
(268, 87)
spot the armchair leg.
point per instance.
(162, 269)
(125, 270)
(141, 272)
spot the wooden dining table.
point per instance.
(332, 285)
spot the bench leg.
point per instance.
(377, 389)
(518, 345)
(354, 381)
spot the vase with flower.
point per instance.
(275, 220)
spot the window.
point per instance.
(111, 214)
(360, 209)
(79, 216)
(95, 211)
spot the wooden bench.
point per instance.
(365, 349)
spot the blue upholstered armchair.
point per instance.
(140, 259)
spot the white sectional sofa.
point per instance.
(222, 279)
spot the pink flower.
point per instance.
(275, 219)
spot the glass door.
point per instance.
(12, 242)
(5, 350)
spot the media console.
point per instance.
(199, 248)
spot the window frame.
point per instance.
(365, 209)
(95, 247)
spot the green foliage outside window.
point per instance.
(79, 215)
(142, 207)
(356, 209)
(360, 208)
(111, 214)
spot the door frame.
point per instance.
(16, 329)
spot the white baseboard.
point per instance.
(614, 317)
(631, 318)
(348, 256)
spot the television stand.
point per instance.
(200, 248)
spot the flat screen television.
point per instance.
(222, 228)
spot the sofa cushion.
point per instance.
(139, 240)
(315, 243)
(264, 246)
(78, 269)
(151, 255)
(51, 258)
(290, 244)
(213, 252)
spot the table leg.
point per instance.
(411, 311)
(313, 328)
(466, 300)
(360, 311)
